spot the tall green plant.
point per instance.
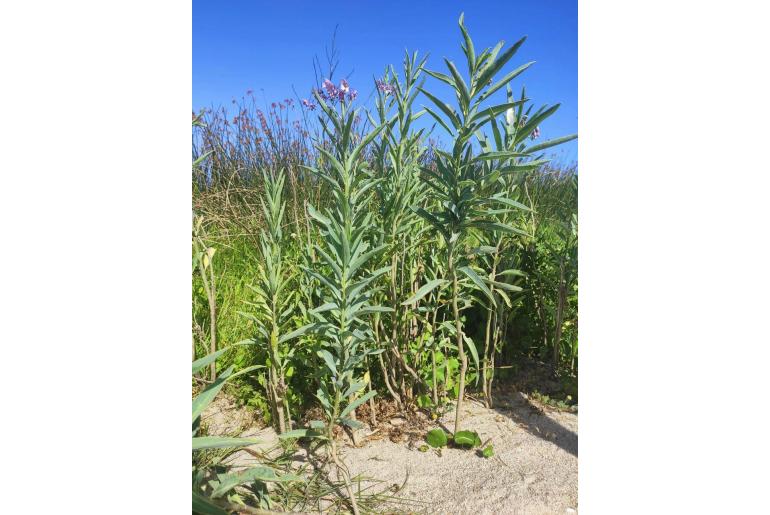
(467, 192)
(345, 253)
(275, 301)
(397, 156)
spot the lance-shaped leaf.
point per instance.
(505, 80)
(478, 281)
(499, 155)
(498, 64)
(446, 109)
(499, 227)
(360, 147)
(206, 396)
(503, 286)
(533, 122)
(302, 433)
(353, 389)
(512, 272)
(229, 481)
(440, 76)
(219, 442)
(462, 89)
(438, 119)
(474, 352)
(204, 506)
(356, 403)
(201, 363)
(470, 51)
(328, 359)
(298, 332)
(512, 203)
(424, 290)
(550, 143)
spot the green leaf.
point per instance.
(202, 158)
(317, 215)
(550, 143)
(438, 119)
(473, 276)
(533, 122)
(444, 108)
(488, 452)
(460, 83)
(352, 424)
(467, 439)
(356, 403)
(497, 226)
(302, 433)
(316, 424)
(505, 80)
(353, 389)
(217, 442)
(229, 481)
(436, 438)
(204, 506)
(297, 332)
(474, 353)
(207, 395)
(360, 147)
(328, 359)
(201, 363)
(512, 272)
(497, 65)
(440, 76)
(470, 51)
(504, 286)
(499, 155)
(424, 290)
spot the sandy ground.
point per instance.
(534, 470)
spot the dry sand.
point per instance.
(533, 472)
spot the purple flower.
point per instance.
(535, 133)
(308, 104)
(330, 90)
(332, 93)
(384, 87)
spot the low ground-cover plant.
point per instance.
(213, 490)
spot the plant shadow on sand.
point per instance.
(532, 418)
(535, 420)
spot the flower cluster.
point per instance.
(332, 93)
(307, 104)
(384, 87)
(535, 133)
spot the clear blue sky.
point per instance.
(268, 46)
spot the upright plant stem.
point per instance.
(485, 366)
(210, 287)
(561, 292)
(489, 350)
(459, 341)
